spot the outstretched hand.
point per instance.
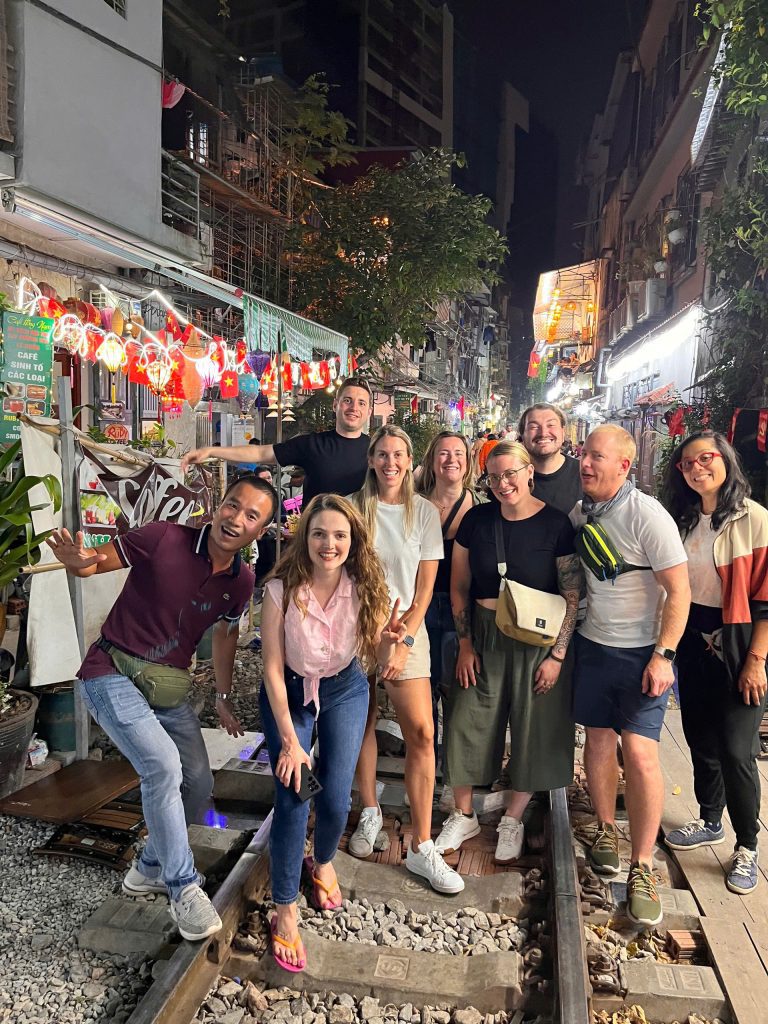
(73, 554)
(195, 458)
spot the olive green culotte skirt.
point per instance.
(540, 725)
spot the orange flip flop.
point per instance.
(320, 891)
(294, 968)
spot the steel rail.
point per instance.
(176, 996)
(571, 975)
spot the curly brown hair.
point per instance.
(296, 571)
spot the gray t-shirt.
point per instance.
(627, 613)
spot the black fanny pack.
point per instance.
(163, 686)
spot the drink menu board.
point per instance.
(26, 370)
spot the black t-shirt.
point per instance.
(561, 489)
(332, 464)
(530, 545)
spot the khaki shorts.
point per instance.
(418, 664)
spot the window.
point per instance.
(117, 5)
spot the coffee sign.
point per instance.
(26, 370)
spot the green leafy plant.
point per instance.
(19, 544)
(421, 429)
(744, 68)
(381, 251)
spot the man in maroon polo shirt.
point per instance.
(182, 581)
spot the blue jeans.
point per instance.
(165, 746)
(340, 727)
(443, 648)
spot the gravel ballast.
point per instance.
(468, 932)
(45, 978)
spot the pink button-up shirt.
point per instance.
(324, 641)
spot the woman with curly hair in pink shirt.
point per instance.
(321, 627)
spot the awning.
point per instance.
(659, 396)
(301, 334)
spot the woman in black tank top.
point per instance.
(446, 480)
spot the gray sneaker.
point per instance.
(137, 884)
(362, 839)
(194, 914)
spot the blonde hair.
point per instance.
(516, 448)
(625, 443)
(296, 571)
(367, 498)
(427, 479)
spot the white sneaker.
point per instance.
(456, 828)
(511, 839)
(137, 884)
(362, 839)
(430, 865)
(194, 914)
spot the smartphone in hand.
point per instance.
(309, 785)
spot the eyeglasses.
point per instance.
(507, 477)
(703, 459)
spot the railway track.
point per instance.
(494, 982)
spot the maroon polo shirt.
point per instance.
(170, 598)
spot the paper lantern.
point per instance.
(158, 373)
(70, 333)
(112, 353)
(192, 384)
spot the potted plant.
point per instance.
(19, 546)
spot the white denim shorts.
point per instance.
(418, 665)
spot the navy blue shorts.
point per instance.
(608, 689)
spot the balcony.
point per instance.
(180, 192)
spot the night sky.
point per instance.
(560, 55)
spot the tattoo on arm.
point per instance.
(463, 623)
(569, 623)
(570, 582)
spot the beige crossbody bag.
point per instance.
(530, 616)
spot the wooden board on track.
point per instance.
(71, 793)
(704, 869)
(739, 965)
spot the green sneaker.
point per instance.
(604, 852)
(643, 903)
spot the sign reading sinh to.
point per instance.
(26, 370)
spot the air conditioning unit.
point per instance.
(652, 298)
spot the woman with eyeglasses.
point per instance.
(446, 480)
(502, 681)
(721, 657)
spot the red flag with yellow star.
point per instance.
(228, 385)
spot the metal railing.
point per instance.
(180, 191)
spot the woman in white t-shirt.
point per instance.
(408, 540)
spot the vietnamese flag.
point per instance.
(228, 385)
(534, 362)
(461, 406)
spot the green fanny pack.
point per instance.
(600, 555)
(163, 686)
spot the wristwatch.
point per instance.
(409, 641)
(665, 652)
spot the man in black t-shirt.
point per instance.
(556, 478)
(334, 461)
